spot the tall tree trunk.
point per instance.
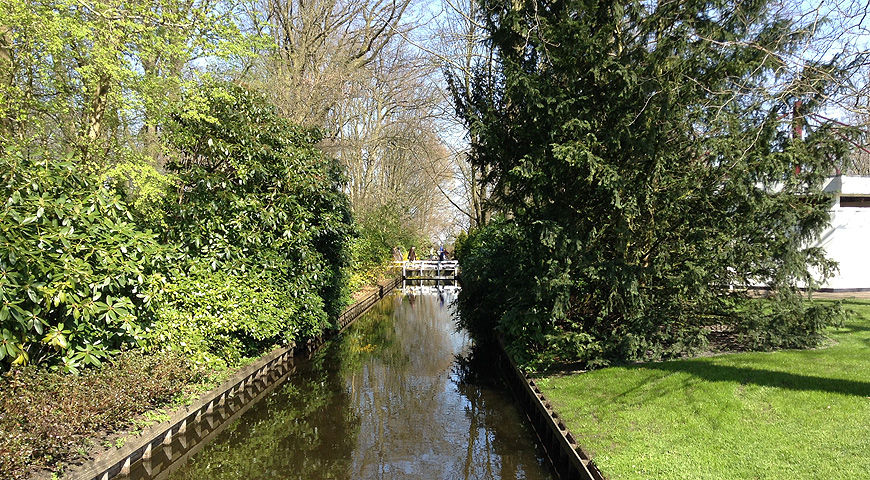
(95, 118)
(7, 77)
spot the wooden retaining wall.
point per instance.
(568, 458)
(216, 409)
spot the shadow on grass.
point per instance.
(790, 381)
(852, 328)
(862, 332)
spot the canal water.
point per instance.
(400, 394)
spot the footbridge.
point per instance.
(429, 269)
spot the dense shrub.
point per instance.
(253, 247)
(217, 319)
(262, 229)
(508, 289)
(47, 417)
(497, 273)
(761, 327)
(72, 263)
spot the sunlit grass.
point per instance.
(781, 415)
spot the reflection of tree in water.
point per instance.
(495, 429)
(373, 337)
(305, 429)
(478, 367)
(395, 395)
(285, 437)
(419, 421)
(384, 400)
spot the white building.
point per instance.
(847, 240)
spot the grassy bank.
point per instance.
(779, 415)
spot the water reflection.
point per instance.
(399, 395)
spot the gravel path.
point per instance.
(842, 295)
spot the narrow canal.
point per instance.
(399, 394)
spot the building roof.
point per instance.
(848, 185)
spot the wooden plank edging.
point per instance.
(567, 457)
(117, 463)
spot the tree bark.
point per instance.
(7, 78)
(95, 117)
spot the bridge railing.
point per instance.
(429, 269)
(428, 265)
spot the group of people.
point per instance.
(441, 255)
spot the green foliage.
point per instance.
(72, 264)
(798, 328)
(461, 244)
(79, 75)
(379, 231)
(217, 319)
(495, 273)
(641, 151)
(262, 210)
(145, 189)
(255, 243)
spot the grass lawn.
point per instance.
(779, 415)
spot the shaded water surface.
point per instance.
(397, 395)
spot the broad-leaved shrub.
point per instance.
(72, 263)
(261, 227)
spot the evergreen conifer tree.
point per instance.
(648, 151)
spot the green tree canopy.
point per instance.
(645, 149)
(97, 77)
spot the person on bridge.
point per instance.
(412, 255)
(442, 254)
(397, 254)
